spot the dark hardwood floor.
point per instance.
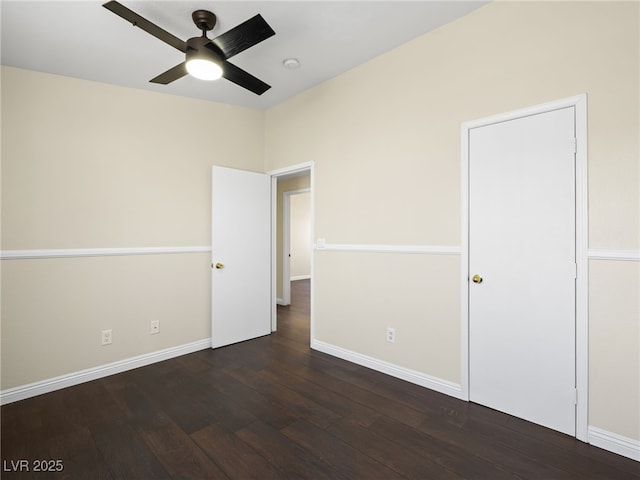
(272, 408)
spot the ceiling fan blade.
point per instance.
(170, 75)
(243, 79)
(145, 25)
(243, 36)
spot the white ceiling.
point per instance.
(83, 40)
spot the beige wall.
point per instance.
(385, 139)
(54, 309)
(88, 165)
(614, 332)
(91, 165)
(300, 235)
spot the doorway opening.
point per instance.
(292, 242)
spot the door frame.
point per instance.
(286, 242)
(579, 102)
(281, 173)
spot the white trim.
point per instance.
(97, 252)
(312, 296)
(45, 386)
(286, 249)
(464, 261)
(296, 192)
(426, 249)
(412, 376)
(300, 277)
(609, 254)
(627, 447)
(286, 171)
(579, 102)
(528, 111)
(274, 256)
(582, 267)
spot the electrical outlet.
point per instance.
(154, 327)
(107, 337)
(391, 335)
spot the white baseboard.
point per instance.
(280, 301)
(422, 379)
(38, 388)
(627, 447)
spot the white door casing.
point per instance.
(241, 256)
(525, 327)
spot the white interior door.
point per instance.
(522, 247)
(241, 256)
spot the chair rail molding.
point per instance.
(321, 244)
(97, 252)
(613, 254)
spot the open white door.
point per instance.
(241, 256)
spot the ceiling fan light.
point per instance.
(203, 69)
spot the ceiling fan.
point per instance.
(206, 58)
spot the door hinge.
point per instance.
(574, 145)
(575, 396)
(575, 270)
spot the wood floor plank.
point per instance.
(389, 453)
(299, 405)
(394, 390)
(344, 458)
(447, 454)
(173, 448)
(261, 407)
(341, 405)
(125, 454)
(235, 457)
(204, 409)
(583, 467)
(582, 452)
(492, 450)
(287, 456)
(391, 408)
(179, 454)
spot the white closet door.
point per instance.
(522, 249)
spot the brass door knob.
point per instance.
(219, 266)
(476, 278)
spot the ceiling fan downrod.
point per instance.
(204, 20)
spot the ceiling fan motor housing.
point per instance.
(197, 48)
